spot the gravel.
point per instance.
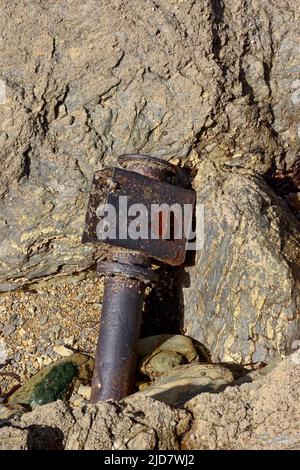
(37, 326)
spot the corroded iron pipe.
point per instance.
(124, 289)
(116, 353)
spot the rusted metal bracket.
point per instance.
(146, 181)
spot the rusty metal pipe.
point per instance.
(127, 275)
(116, 353)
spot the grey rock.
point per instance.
(16, 320)
(13, 317)
(50, 353)
(17, 357)
(43, 319)
(207, 80)
(3, 352)
(186, 381)
(241, 296)
(31, 369)
(54, 332)
(45, 338)
(8, 330)
(161, 353)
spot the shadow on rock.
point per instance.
(44, 438)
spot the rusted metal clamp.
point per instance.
(146, 181)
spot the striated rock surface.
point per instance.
(81, 84)
(242, 295)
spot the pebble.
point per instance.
(69, 341)
(97, 304)
(16, 320)
(84, 391)
(3, 353)
(13, 317)
(32, 309)
(43, 320)
(31, 369)
(45, 338)
(49, 352)
(8, 330)
(77, 400)
(17, 356)
(62, 350)
(54, 332)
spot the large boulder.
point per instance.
(241, 296)
(84, 82)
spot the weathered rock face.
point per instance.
(173, 78)
(260, 415)
(242, 296)
(138, 423)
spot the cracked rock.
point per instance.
(137, 423)
(191, 80)
(242, 296)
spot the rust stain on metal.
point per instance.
(143, 190)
